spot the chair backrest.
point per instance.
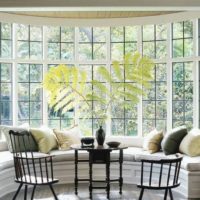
(27, 166)
(161, 173)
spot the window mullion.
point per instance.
(76, 63)
(139, 107)
(169, 77)
(108, 44)
(15, 76)
(196, 76)
(45, 69)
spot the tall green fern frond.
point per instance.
(67, 86)
(117, 70)
(102, 71)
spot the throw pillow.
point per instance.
(172, 140)
(68, 137)
(32, 146)
(190, 144)
(152, 142)
(45, 139)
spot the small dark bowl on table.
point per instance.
(113, 144)
(87, 141)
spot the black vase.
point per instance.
(100, 136)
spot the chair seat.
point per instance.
(31, 180)
(146, 185)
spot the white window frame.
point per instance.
(167, 19)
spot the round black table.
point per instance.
(99, 155)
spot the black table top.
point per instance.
(96, 148)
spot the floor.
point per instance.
(66, 192)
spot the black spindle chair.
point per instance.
(30, 168)
(160, 175)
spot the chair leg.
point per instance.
(54, 194)
(33, 192)
(141, 194)
(25, 192)
(171, 195)
(17, 192)
(165, 197)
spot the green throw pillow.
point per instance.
(45, 139)
(172, 140)
(32, 146)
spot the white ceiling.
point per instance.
(99, 5)
(93, 14)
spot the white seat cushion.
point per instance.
(130, 154)
(191, 163)
(6, 160)
(67, 155)
(60, 156)
(188, 163)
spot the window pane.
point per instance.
(6, 111)
(85, 34)
(35, 33)
(35, 50)
(178, 30)
(6, 94)
(23, 50)
(53, 34)
(6, 72)
(5, 40)
(23, 73)
(6, 31)
(149, 49)
(22, 32)
(182, 39)
(188, 29)
(23, 110)
(30, 94)
(85, 51)
(118, 127)
(161, 32)
(67, 34)
(54, 51)
(131, 127)
(6, 48)
(6, 91)
(161, 49)
(99, 51)
(117, 34)
(155, 101)
(178, 48)
(35, 73)
(86, 127)
(67, 51)
(117, 51)
(130, 48)
(131, 33)
(188, 47)
(99, 34)
(148, 33)
(182, 104)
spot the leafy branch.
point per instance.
(125, 83)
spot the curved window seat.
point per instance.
(64, 169)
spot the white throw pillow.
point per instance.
(4, 129)
(44, 138)
(190, 144)
(152, 142)
(68, 137)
